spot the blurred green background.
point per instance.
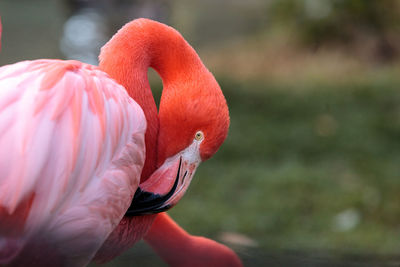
(309, 174)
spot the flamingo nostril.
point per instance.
(184, 176)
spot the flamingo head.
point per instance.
(194, 122)
(196, 119)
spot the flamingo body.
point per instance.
(73, 144)
(72, 151)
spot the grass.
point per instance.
(294, 162)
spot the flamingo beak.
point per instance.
(165, 187)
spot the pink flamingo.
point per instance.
(76, 149)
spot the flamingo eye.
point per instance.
(199, 136)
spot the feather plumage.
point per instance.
(71, 153)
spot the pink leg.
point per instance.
(178, 248)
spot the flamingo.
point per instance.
(86, 162)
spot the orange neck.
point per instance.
(139, 45)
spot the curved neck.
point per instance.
(139, 45)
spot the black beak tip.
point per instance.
(145, 203)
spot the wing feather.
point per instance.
(75, 141)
